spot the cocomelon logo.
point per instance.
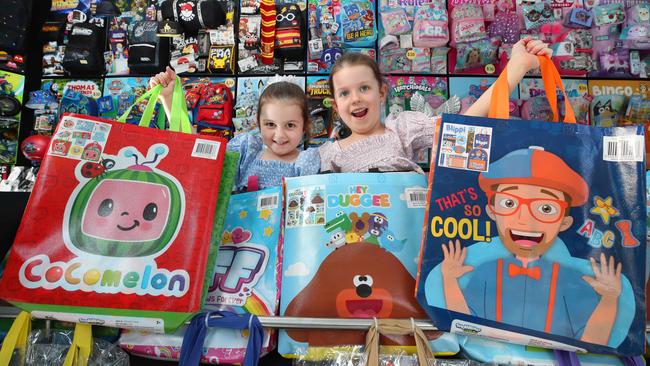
(121, 216)
(358, 196)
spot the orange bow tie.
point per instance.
(515, 270)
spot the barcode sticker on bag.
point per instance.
(206, 149)
(267, 202)
(623, 148)
(416, 197)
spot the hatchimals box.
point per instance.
(535, 234)
(350, 251)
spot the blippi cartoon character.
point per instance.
(526, 277)
(337, 228)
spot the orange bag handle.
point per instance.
(550, 76)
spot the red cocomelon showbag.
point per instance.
(117, 230)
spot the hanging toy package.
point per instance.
(336, 27)
(409, 34)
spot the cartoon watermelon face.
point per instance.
(132, 212)
(126, 213)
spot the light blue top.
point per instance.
(269, 172)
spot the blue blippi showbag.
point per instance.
(246, 280)
(536, 231)
(351, 248)
(358, 23)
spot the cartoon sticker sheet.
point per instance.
(12, 85)
(246, 280)
(350, 251)
(80, 139)
(508, 250)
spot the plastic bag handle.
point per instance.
(552, 80)
(16, 338)
(81, 347)
(179, 120)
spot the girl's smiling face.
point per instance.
(357, 98)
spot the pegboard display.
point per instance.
(455, 47)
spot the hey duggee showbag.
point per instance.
(350, 251)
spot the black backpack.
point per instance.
(84, 53)
(148, 53)
(289, 37)
(194, 15)
(14, 18)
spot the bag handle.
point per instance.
(552, 81)
(397, 327)
(81, 347)
(16, 338)
(179, 120)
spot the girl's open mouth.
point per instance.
(360, 113)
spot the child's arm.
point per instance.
(167, 79)
(523, 59)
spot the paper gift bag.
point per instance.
(536, 234)
(350, 251)
(117, 229)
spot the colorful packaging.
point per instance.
(320, 108)
(477, 54)
(467, 23)
(123, 92)
(611, 99)
(469, 89)
(521, 222)
(415, 93)
(11, 92)
(120, 203)
(246, 280)
(576, 90)
(537, 14)
(350, 252)
(358, 23)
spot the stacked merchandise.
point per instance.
(272, 37)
